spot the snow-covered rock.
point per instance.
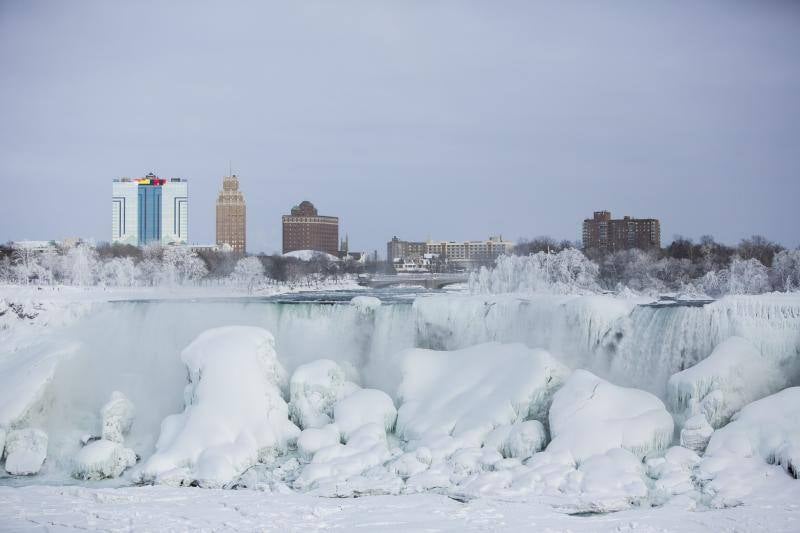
(672, 474)
(311, 440)
(696, 433)
(767, 429)
(520, 440)
(608, 481)
(365, 406)
(314, 389)
(365, 304)
(2, 441)
(117, 417)
(235, 413)
(102, 459)
(335, 465)
(467, 393)
(26, 450)
(734, 375)
(591, 416)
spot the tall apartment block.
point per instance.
(231, 215)
(601, 232)
(149, 210)
(306, 229)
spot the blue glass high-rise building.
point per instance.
(149, 205)
(150, 210)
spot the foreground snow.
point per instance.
(181, 509)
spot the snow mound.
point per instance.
(590, 416)
(696, 433)
(311, 440)
(335, 470)
(235, 413)
(467, 393)
(672, 474)
(753, 453)
(609, 481)
(365, 406)
(314, 389)
(102, 459)
(767, 429)
(26, 450)
(519, 440)
(310, 255)
(365, 304)
(25, 377)
(734, 375)
(117, 417)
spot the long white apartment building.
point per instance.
(150, 209)
(461, 254)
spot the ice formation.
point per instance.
(311, 440)
(314, 389)
(734, 375)
(767, 429)
(472, 421)
(117, 417)
(590, 416)
(672, 473)
(26, 377)
(101, 459)
(696, 433)
(467, 393)
(519, 440)
(362, 407)
(235, 412)
(26, 450)
(336, 464)
(365, 304)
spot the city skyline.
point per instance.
(428, 121)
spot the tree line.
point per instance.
(756, 264)
(127, 266)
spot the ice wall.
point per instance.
(631, 344)
(651, 344)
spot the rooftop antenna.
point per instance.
(230, 168)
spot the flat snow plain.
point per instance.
(159, 508)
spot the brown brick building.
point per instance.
(601, 232)
(305, 229)
(231, 215)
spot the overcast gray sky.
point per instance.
(442, 119)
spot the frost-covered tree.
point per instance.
(27, 269)
(80, 265)
(181, 265)
(118, 272)
(568, 271)
(747, 276)
(249, 271)
(785, 273)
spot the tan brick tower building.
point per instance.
(231, 215)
